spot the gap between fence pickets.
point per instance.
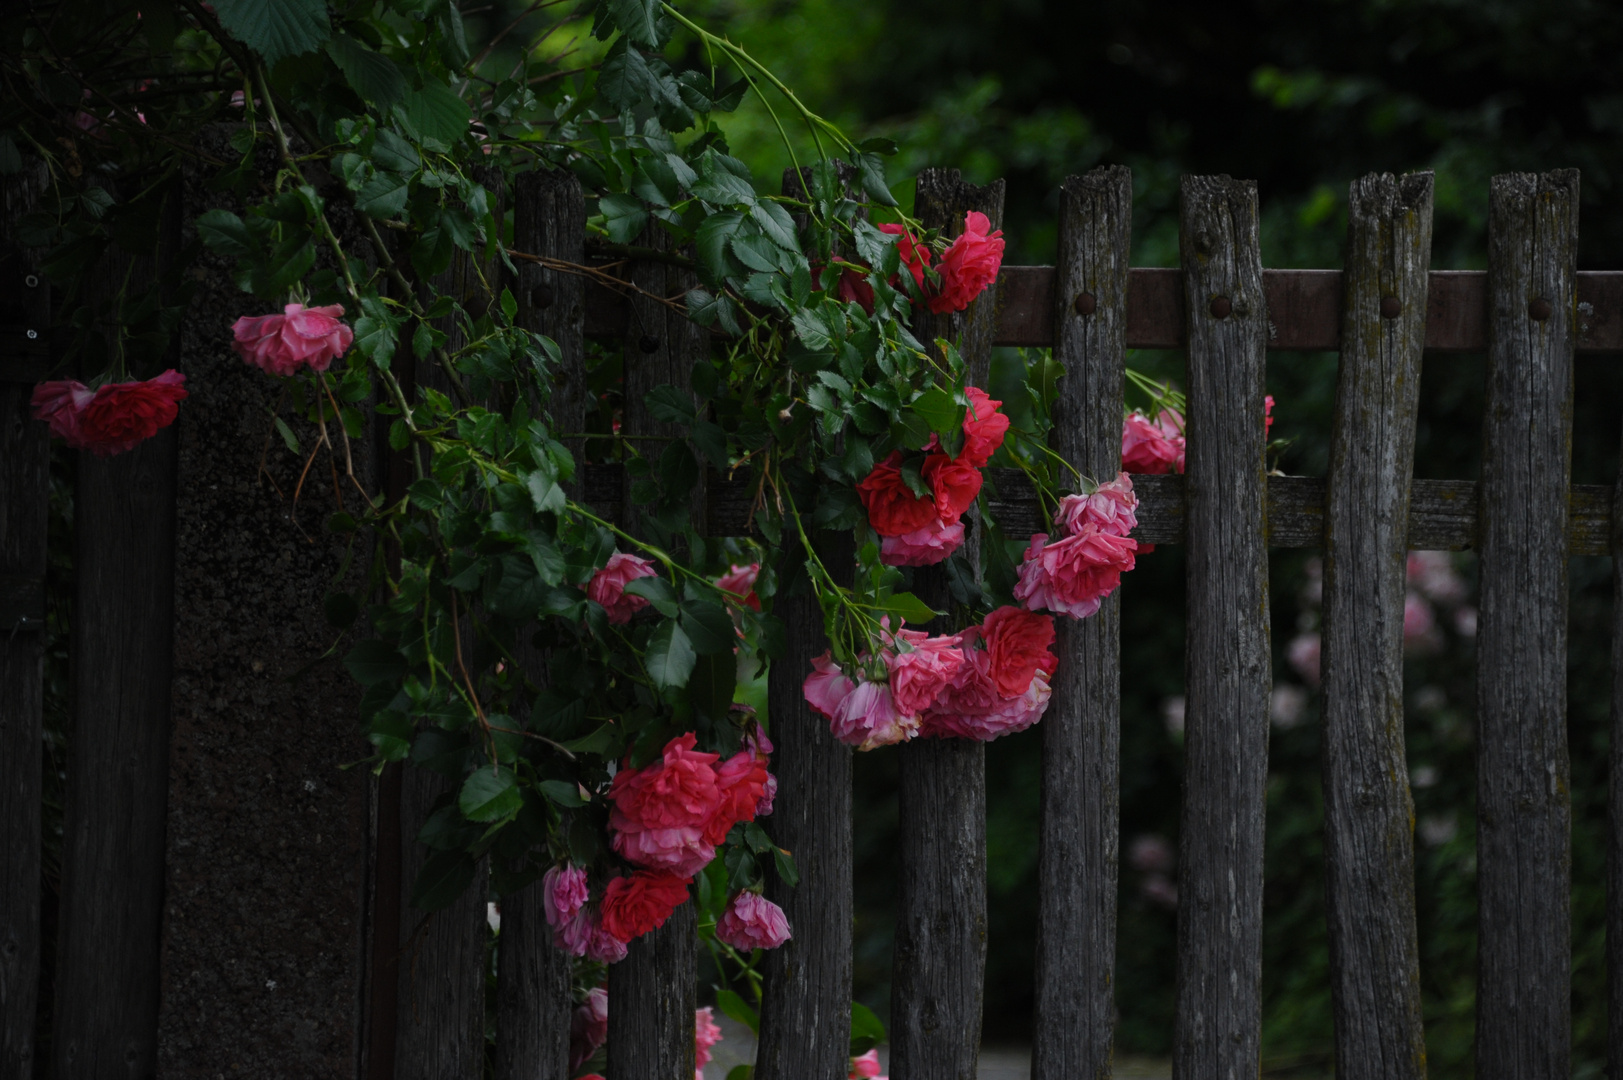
(1442, 513)
(1304, 309)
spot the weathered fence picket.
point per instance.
(939, 963)
(1531, 312)
(25, 493)
(1079, 834)
(1217, 1031)
(1369, 838)
(1524, 804)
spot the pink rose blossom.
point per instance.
(1073, 576)
(280, 344)
(1419, 625)
(740, 580)
(920, 668)
(1112, 507)
(826, 686)
(114, 417)
(759, 745)
(1303, 654)
(61, 404)
(563, 893)
(984, 427)
(663, 812)
(753, 922)
(608, 586)
(742, 781)
(867, 1067)
(583, 935)
(867, 717)
(973, 708)
(922, 547)
(588, 1028)
(1433, 573)
(1152, 447)
(706, 1034)
(969, 265)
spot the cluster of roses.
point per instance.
(112, 418)
(980, 683)
(966, 268)
(667, 819)
(1073, 575)
(1157, 446)
(921, 530)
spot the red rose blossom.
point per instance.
(893, 509)
(634, 905)
(969, 265)
(984, 427)
(1017, 644)
(741, 779)
(955, 483)
(678, 790)
(915, 256)
(116, 417)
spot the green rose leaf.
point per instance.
(624, 216)
(371, 74)
(276, 28)
(490, 794)
(670, 657)
(437, 112)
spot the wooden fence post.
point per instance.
(1079, 832)
(106, 1009)
(653, 992)
(939, 961)
(1369, 838)
(25, 493)
(1524, 809)
(1614, 850)
(1217, 1030)
(532, 977)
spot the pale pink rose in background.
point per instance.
(1111, 508)
(1287, 706)
(1465, 622)
(706, 1034)
(1160, 890)
(740, 580)
(1419, 625)
(1433, 574)
(1312, 593)
(868, 717)
(608, 586)
(922, 547)
(826, 686)
(1151, 853)
(588, 1028)
(921, 668)
(866, 1067)
(281, 344)
(563, 893)
(1303, 655)
(752, 922)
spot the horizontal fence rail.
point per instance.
(1304, 309)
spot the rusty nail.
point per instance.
(541, 296)
(1539, 309)
(648, 344)
(1391, 307)
(1085, 304)
(1220, 307)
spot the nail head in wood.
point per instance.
(1539, 310)
(648, 344)
(32, 281)
(1220, 307)
(541, 296)
(1085, 304)
(1391, 307)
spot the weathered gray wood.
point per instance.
(654, 990)
(1079, 831)
(1227, 676)
(549, 219)
(1524, 864)
(263, 915)
(532, 977)
(939, 963)
(1304, 308)
(1369, 835)
(1614, 847)
(652, 996)
(805, 1003)
(25, 494)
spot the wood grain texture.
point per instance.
(1614, 845)
(1079, 830)
(939, 962)
(1524, 812)
(106, 1016)
(532, 993)
(806, 996)
(1304, 309)
(1369, 838)
(24, 507)
(549, 218)
(1217, 1028)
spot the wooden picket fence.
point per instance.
(419, 1004)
